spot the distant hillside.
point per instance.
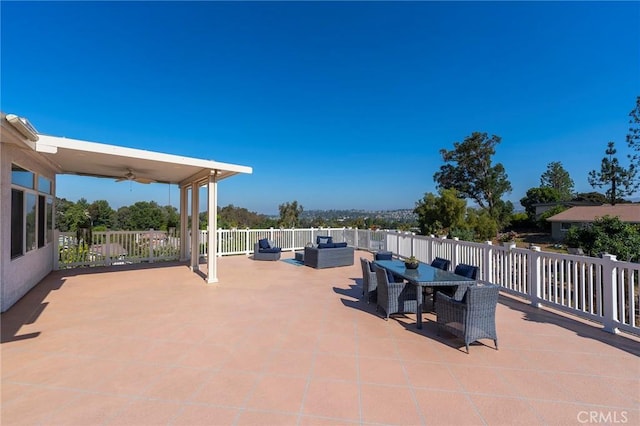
(402, 215)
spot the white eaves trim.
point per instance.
(50, 144)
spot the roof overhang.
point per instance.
(76, 157)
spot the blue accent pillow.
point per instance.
(343, 244)
(326, 245)
(320, 239)
(270, 250)
(263, 243)
(384, 255)
(466, 271)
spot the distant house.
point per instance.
(584, 215)
(543, 207)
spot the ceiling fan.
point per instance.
(130, 176)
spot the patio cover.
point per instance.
(76, 157)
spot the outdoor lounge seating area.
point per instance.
(327, 254)
(150, 344)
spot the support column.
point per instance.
(195, 226)
(212, 246)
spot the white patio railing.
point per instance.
(603, 290)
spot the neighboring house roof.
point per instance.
(625, 212)
(567, 203)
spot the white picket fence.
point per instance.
(602, 290)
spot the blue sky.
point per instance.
(336, 105)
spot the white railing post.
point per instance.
(413, 242)
(56, 249)
(610, 290)
(488, 262)
(107, 246)
(218, 236)
(149, 237)
(535, 277)
(455, 254)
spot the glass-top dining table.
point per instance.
(424, 276)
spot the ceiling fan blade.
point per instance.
(143, 180)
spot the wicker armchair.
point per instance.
(369, 281)
(395, 297)
(473, 317)
(266, 250)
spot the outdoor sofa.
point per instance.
(327, 254)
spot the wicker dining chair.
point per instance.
(395, 297)
(369, 281)
(464, 270)
(441, 263)
(473, 317)
(428, 292)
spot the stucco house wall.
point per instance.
(19, 275)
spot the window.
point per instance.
(565, 226)
(31, 211)
(49, 236)
(17, 223)
(22, 177)
(44, 185)
(42, 226)
(31, 221)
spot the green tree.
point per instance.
(592, 197)
(102, 214)
(440, 213)
(123, 219)
(146, 215)
(484, 226)
(502, 212)
(203, 221)
(62, 218)
(77, 215)
(538, 195)
(633, 137)
(238, 217)
(607, 234)
(171, 217)
(619, 181)
(557, 178)
(469, 170)
(289, 214)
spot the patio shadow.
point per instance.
(586, 329)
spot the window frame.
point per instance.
(33, 233)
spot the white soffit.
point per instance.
(84, 158)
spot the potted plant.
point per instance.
(508, 239)
(411, 263)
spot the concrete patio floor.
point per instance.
(276, 343)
